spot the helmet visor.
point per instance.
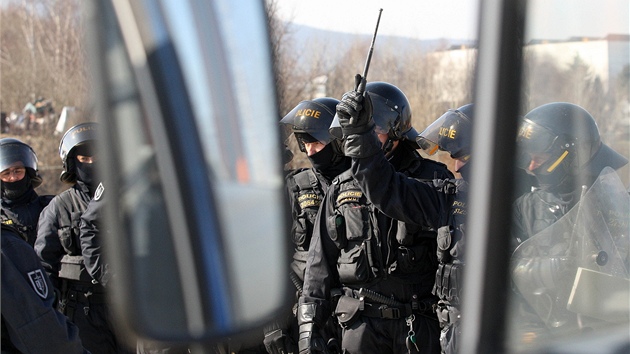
(12, 153)
(305, 138)
(534, 138)
(384, 113)
(534, 144)
(335, 128)
(312, 118)
(75, 136)
(450, 132)
(428, 146)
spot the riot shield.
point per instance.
(574, 274)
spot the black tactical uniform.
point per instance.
(386, 268)
(306, 187)
(440, 203)
(92, 231)
(21, 205)
(90, 241)
(30, 323)
(561, 146)
(58, 245)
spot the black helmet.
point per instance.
(566, 139)
(451, 132)
(310, 120)
(13, 150)
(82, 135)
(391, 111)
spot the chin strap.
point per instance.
(388, 146)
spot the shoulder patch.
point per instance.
(38, 282)
(349, 196)
(99, 191)
(307, 200)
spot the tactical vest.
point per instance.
(450, 243)
(73, 204)
(307, 192)
(354, 230)
(415, 259)
(410, 257)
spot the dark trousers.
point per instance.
(92, 316)
(389, 336)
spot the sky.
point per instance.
(430, 19)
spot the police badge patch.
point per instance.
(39, 283)
(99, 191)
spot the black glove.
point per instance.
(310, 341)
(355, 113)
(277, 341)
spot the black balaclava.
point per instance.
(86, 173)
(14, 190)
(401, 155)
(329, 163)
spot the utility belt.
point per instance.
(79, 295)
(86, 297)
(365, 302)
(447, 314)
(389, 312)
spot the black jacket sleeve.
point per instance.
(321, 270)
(396, 195)
(91, 241)
(31, 322)
(47, 245)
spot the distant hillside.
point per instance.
(305, 36)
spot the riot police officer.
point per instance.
(30, 322)
(561, 146)
(21, 205)
(58, 245)
(306, 187)
(385, 267)
(439, 204)
(92, 232)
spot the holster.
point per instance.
(447, 314)
(73, 267)
(348, 310)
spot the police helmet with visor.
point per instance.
(311, 119)
(451, 133)
(391, 111)
(78, 140)
(12, 151)
(561, 139)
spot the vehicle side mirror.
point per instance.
(196, 224)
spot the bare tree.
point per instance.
(42, 55)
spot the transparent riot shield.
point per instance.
(574, 274)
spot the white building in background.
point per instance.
(606, 57)
(318, 87)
